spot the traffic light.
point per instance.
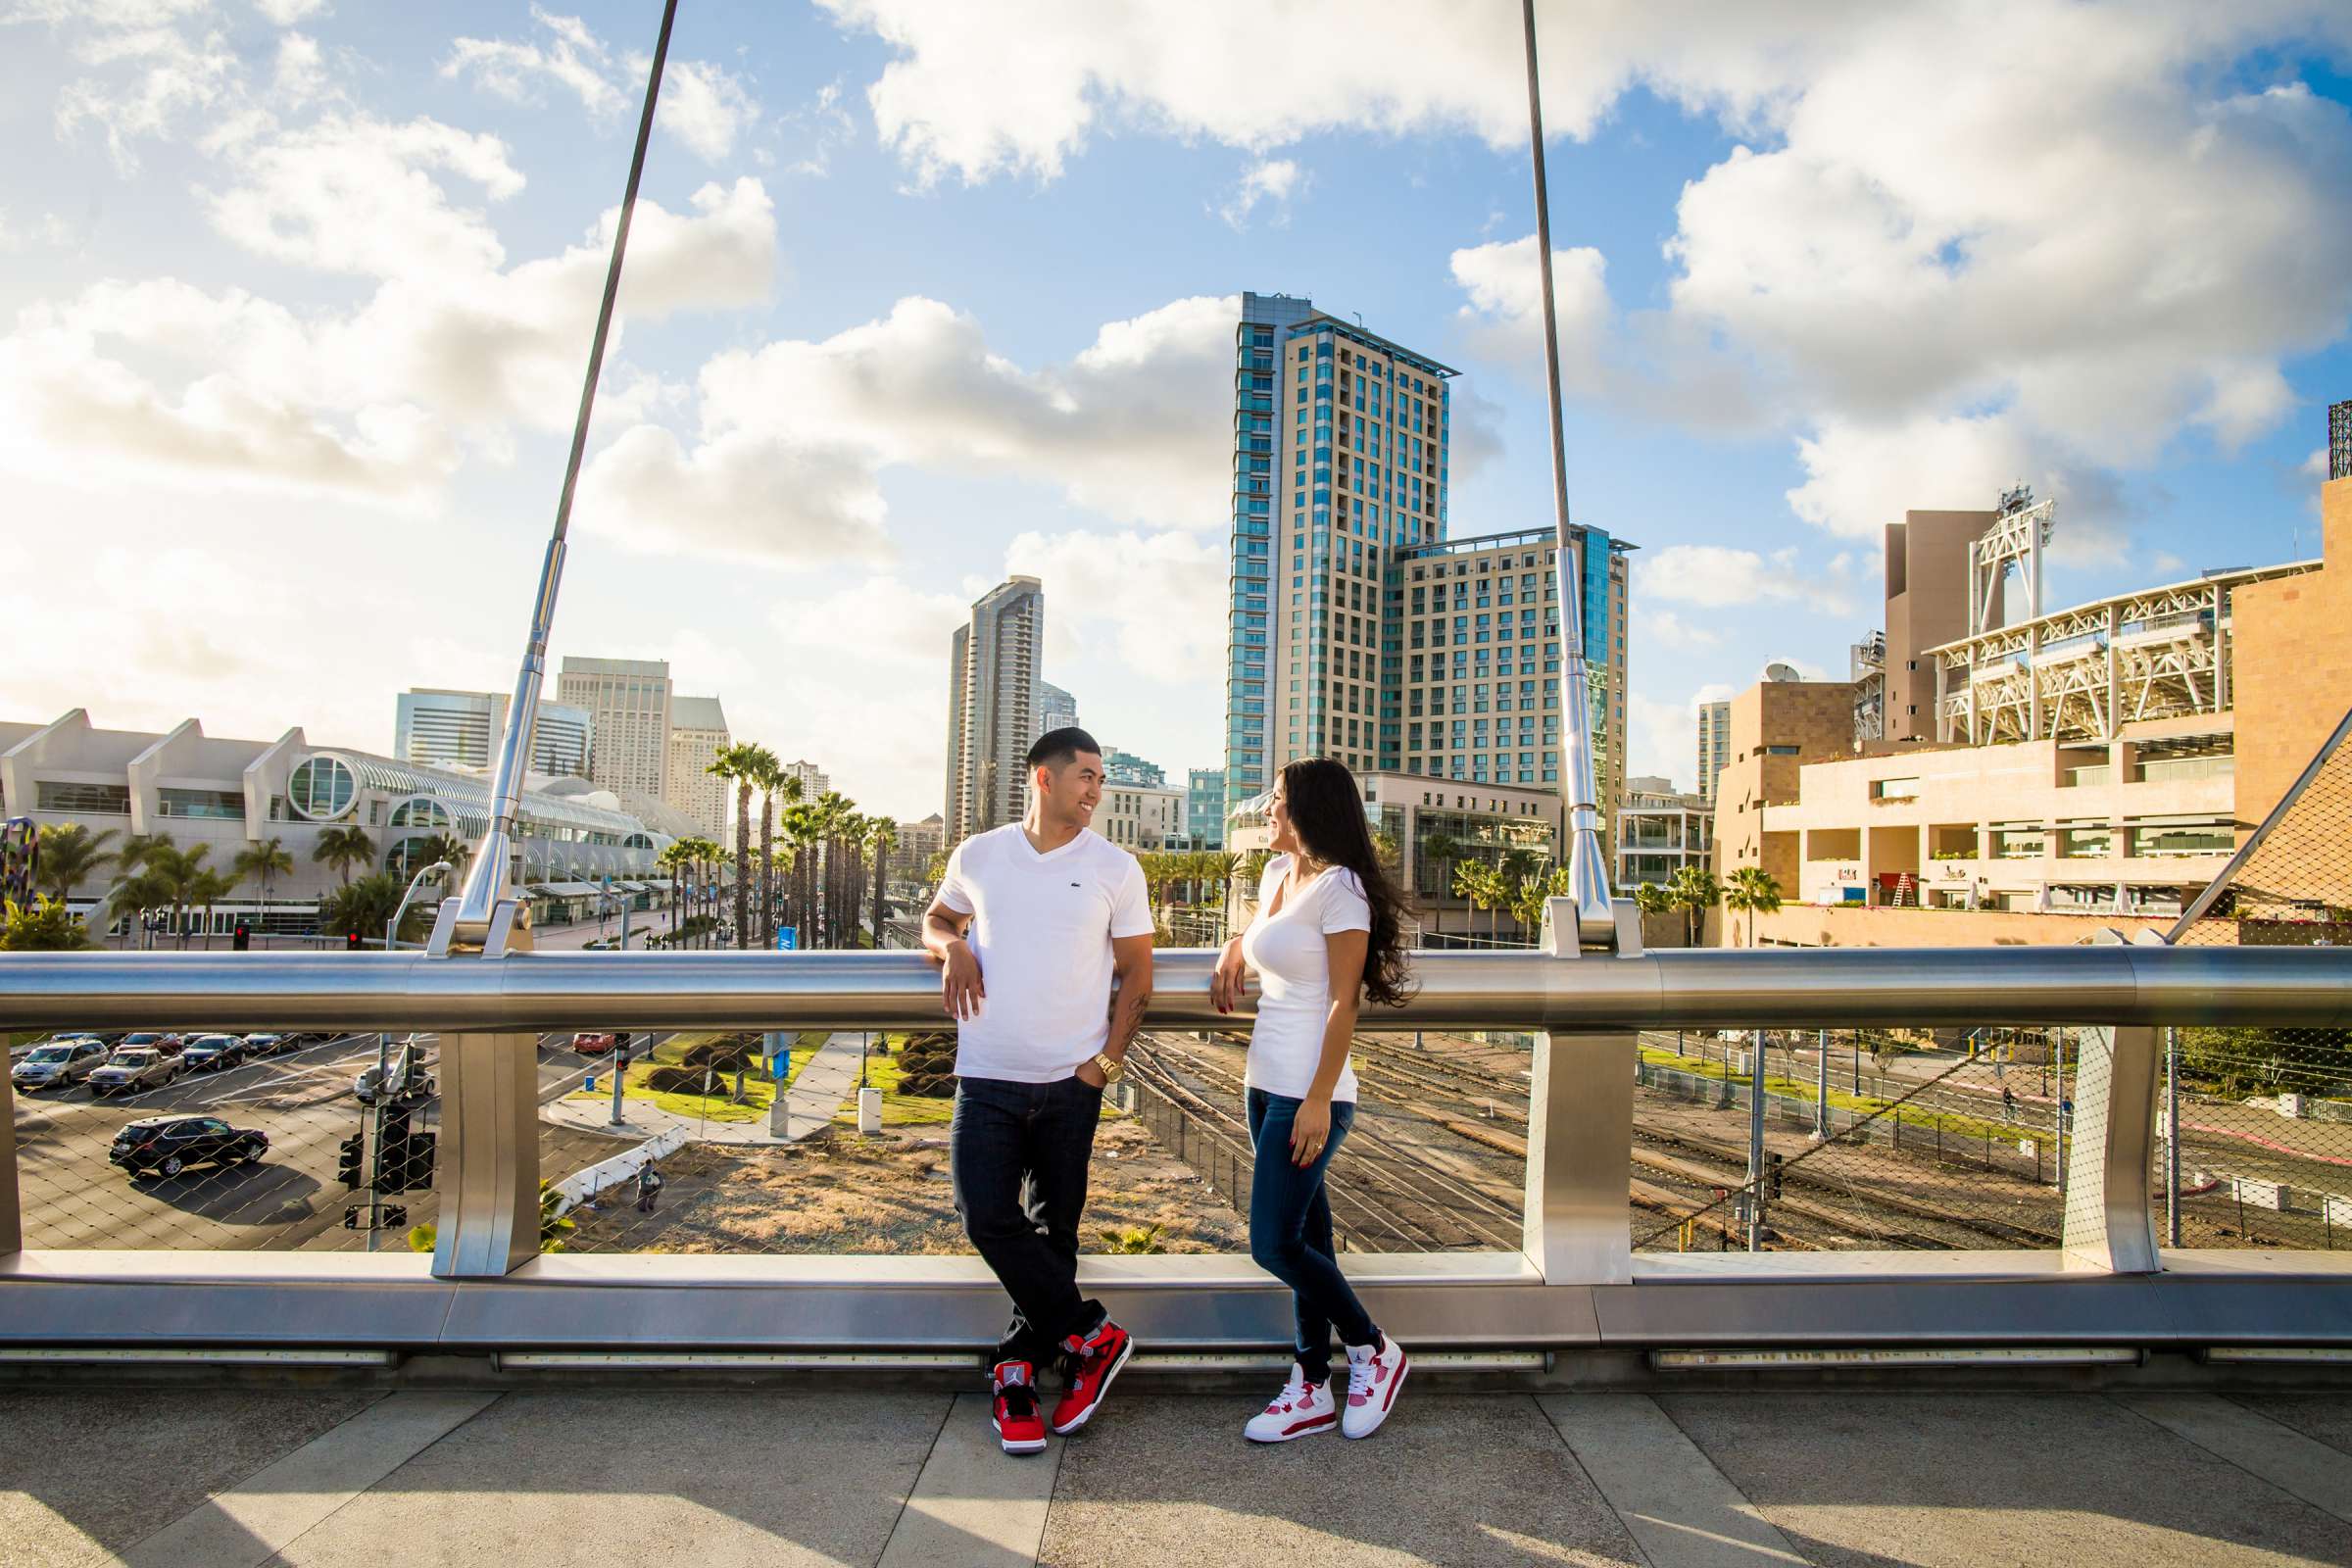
(351, 941)
(243, 939)
(347, 1160)
(404, 1159)
(1772, 1177)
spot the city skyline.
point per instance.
(293, 397)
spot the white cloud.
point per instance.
(703, 107)
(49, 232)
(572, 58)
(1662, 737)
(371, 402)
(151, 76)
(738, 496)
(1670, 630)
(1133, 427)
(1154, 603)
(286, 13)
(1271, 181)
(301, 72)
(1718, 577)
(356, 194)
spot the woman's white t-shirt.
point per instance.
(1293, 967)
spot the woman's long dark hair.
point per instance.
(1328, 813)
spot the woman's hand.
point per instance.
(1225, 987)
(1310, 1128)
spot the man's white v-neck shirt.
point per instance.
(1042, 928)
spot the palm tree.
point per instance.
(1754, 890)
(769, 775)
(447, 847)
(136, 896)
(1651, 899)
(801, 824)
(178, 872)
(343, 848)
(366, 906)
(1694, 890)
(883, 835)
(70, 855)
(264, 862)
(206, 888)
(735, 762)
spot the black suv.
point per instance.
(169, 1144)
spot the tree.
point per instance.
(799, 825)
(1651, 899)
(69, 855)
(737, 761)
(1754, 891)
(365, 908)
(443, 846)
(45, 925)
(1536, 887)
(263, 861)
(1481, 884)
(1694, 890)
(206, 888)
(342, 848)
(178, 872)
(769, 775)
(133, 898)
(883, 835)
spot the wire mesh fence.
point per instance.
(2254, 1138)
(1855, 1139)
(271, 1140)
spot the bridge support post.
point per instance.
(1578, 1219)
(488, 1151)
(2110, 1220)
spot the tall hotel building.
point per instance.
(1356, 630)
(698, 728)
(1714, 745)
(992, 708)
(629, 702)
(436, 728)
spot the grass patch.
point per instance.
(759, 1090)
(1958, 1126)
(898, 1110)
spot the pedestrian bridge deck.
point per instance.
(886, 1473)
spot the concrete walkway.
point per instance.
(818, 1091)
(871, 1473)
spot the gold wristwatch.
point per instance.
(1111, 1066)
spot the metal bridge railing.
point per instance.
(2083, 1212)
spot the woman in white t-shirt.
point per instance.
(1329, 933)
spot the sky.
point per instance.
(296, 298)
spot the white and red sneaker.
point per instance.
(1375, 1372)
(1095, 1359)
(1019, 1426)
(1301, 1410)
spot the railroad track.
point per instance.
(1373, 1176)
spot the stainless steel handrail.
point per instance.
(1704, 988)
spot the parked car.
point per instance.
(170, 1044)
(212, 1053)
(593, 1044)
(56, 1064)
(169, 1144)
(411, 1079)
(268, 1045)
(132, 1068)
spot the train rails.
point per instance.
(1436, 1161)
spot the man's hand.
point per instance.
(1232, 976)
(1091, 1075)
(959, 985)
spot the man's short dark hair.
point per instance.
(1056, 747)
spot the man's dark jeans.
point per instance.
(1019, 1155)
(1289, 1231)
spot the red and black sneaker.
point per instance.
(1018, 1425)
(1094, 1360)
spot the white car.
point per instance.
(56, 1064)
(132, 1068)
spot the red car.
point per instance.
(593, 1045)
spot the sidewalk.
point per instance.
(816, 1092)
(868, 1472)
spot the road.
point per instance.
(72, 1198)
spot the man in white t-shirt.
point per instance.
(1032, 924)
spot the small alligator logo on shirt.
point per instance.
(1075, 884)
